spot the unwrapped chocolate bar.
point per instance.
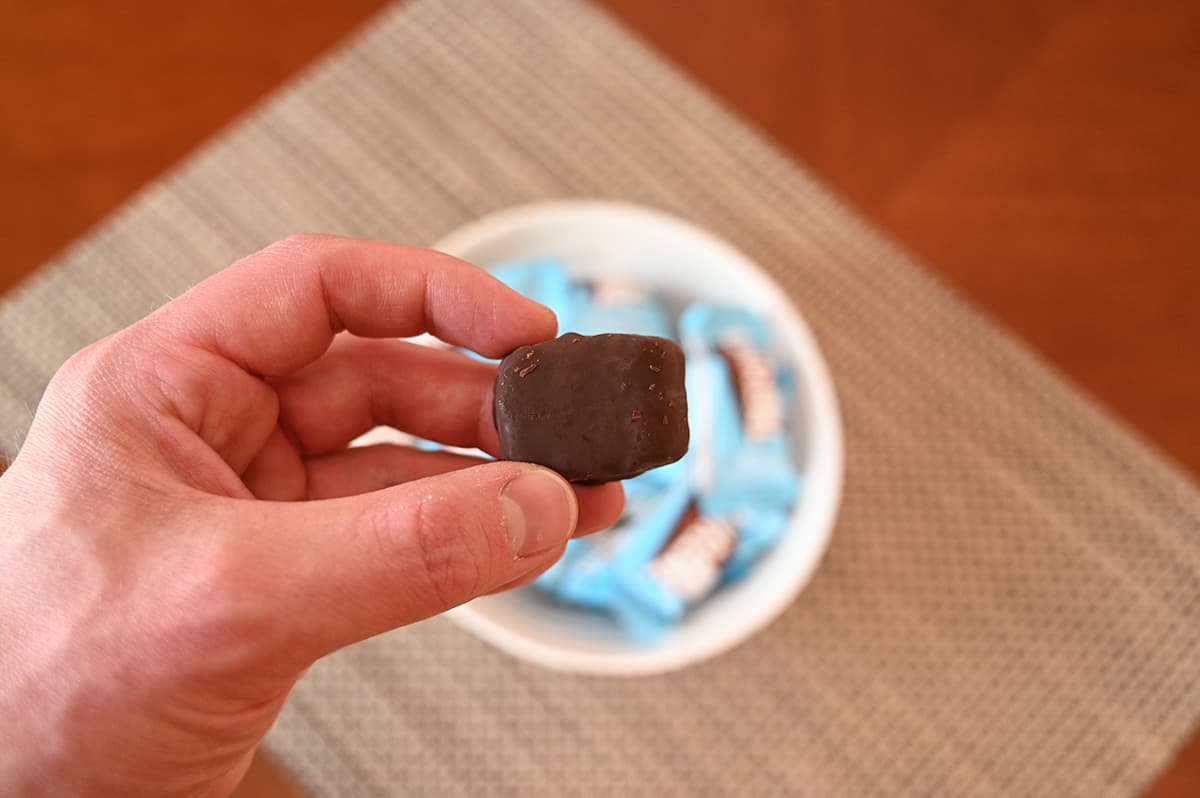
(594, 408)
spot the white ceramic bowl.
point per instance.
(682, 262)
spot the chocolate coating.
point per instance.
(594, 408)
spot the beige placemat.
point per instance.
(1011, 604)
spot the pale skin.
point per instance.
(185, 532)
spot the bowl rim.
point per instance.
(824, 501)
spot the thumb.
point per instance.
(338, 571)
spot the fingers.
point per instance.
(369, 468)
(277, 473)
(526, 578)
(343, 570)
(277, 310)
(280, 474)
(361, 383)
(599, 506)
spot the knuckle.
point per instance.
(305, 239)
(296, 244)
(85, 385)
(82, 367)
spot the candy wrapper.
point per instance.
(601, 306)
(703, 521)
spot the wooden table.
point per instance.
(1039, 154)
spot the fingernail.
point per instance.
(539, 512)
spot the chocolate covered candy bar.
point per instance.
(594, 408)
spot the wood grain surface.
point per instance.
(1038, 154)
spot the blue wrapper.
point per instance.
(544, 281)
(714, 422)
(592, 575)
(706, 324)
(626, 311)
(751, 484)
(759, 474)
(759, 528)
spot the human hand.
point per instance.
(184, 531)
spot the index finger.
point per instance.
(277, 310)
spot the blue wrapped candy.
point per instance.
(544, 281)
(684, 571)
(618, 307)
(703, 521)
(758, 529)
(607, 305)
(650, 517)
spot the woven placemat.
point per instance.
(1011, 603)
